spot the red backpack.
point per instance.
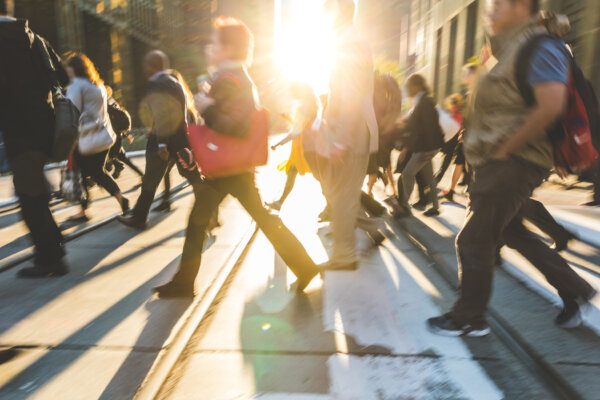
(573, 135)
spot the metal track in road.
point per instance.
(534, 362)
(90, 228)
(172, 351)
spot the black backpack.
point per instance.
(578, 130)
(120, 120)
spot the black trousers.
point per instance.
(93, 166)
(499, 192)
(449, 151)
(33, 192)
(536, 212)
(209, 194)
(156, 168)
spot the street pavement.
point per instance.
(96, 332)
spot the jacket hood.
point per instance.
(16, 33)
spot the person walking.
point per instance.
(302, 123)
(27, 123)
(511, 154)
(425, 138)
(88, 94)
(349, 132)
(454, 105)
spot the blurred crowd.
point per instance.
(525, 112)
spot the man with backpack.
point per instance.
(511, 153)
(27, 121)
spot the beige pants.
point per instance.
(341, 186)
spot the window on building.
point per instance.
(451, 56)
(472, 13)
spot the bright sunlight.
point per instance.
(303, 42)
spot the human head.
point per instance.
(154, 62)
(504, 14)
(232, 40)
(80, 66)
(415, 84)
(339, 12)
(454, 102)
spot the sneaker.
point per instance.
(118, 169)
(446, 325)
(570, 316)
(432, 212)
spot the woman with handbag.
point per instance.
(96, 135)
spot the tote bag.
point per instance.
(220, 155)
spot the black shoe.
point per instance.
(174, 290)
(448, 195)
(401, 212)
(432, 212)
(445, 325)
(164, 206)
(132, 222)
(420, 205)
(7, 355)
(118, 169)
(125, 206)
(562, 243)
(570, 316)
(593, 203)
(59, 268)
(337, 266)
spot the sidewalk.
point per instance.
(95, 332)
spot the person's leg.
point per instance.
(95, 168)
(499, 191)
(206, 200)
(371, 183)
(448, 150)
(155, 170)
(165, 203)
(29, 181)
(430, 182)
(414, 165)
(289, 183)
(342, 186)
(535, 212)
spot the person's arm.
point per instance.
(548, 76)
(231, 110)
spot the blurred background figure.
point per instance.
(88, 93)
(302, 123)
(454, 105)
(424, 140)
(350, 132)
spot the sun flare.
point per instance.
(304, 43)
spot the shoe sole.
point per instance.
(473, 333)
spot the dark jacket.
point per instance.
(423, 127)
(26, 110)
(164, 109)
(234, 94)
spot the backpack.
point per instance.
(574, 134)
(119, 118)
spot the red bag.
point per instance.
(220, 155)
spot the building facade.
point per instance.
(439, 36)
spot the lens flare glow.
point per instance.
(304, 43)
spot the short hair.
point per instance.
(418, 81)
(235, 34)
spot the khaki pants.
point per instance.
(341, 186)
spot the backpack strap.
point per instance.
(523, 65)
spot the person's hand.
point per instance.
(202, 102)
(273, 147)
(163, 153)
(336, 156)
